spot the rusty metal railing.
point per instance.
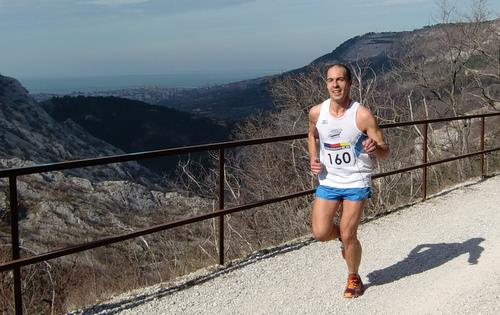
(17, 262)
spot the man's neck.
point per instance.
(339, 108)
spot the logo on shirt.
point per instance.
(324, 122)
(337, 146)
(334, 133)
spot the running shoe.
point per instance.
(354, 286)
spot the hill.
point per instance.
(373, 55)
(29, 135)
(65, 208)
(134, 126)
(234, 102)
(237, 101)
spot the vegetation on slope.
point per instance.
(135, 126)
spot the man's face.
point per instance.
(337, 84)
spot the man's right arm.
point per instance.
(313, 140)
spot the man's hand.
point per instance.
(315, 166)
(370, 146)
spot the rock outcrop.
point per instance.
(69, 207)
(29, 133)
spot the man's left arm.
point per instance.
(375, 144)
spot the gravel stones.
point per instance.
(439, 256)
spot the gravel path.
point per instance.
(441, 256)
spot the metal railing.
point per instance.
(17, 262)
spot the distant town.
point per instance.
(151, 95)
(229, 101)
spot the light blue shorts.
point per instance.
(352, 194)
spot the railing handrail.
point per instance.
(16, 263)
(436, 120)
(127, 157)
(169, 225)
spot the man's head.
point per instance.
(340, 65)
(338, 82)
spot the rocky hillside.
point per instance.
(59, 209)
(29, 135)
(67, 205)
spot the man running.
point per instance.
(342, 136)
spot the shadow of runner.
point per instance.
(425, 257)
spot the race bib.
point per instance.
(338, 155)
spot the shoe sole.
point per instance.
(355, 295)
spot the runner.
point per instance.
(343, 134)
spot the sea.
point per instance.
(67, 85)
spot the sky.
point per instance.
(73, 38)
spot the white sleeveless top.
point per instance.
(345, 163)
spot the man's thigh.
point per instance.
(351, 215)
(324, 212)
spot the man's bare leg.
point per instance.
(349, 222)
(323, 214)
(351, 215)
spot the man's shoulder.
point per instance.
(364, 112)
(365, 118)
(315, 110)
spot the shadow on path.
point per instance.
(425, 257)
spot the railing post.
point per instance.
(424, 160)
(482, 147)
(221, 205)
(14, 232)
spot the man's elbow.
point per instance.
(312, 137)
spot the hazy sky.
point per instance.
(114, 37)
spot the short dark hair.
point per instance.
(346, 68)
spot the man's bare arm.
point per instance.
(313, 140)
(375, 144)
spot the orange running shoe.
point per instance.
(354, 286)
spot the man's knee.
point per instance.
(325, 233)
(348, 237)
(322, 235)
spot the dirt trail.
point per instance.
(441, 256)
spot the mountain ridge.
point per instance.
(238, 100)
(29, 133)
(135, 126)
